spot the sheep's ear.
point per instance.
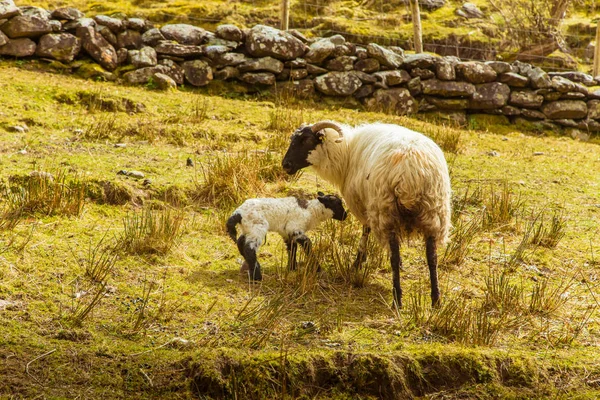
(320, 194)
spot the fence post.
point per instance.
(417, 30)
(285, 14)
(597, 52)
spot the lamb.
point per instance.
(393, 179)
(291, 217)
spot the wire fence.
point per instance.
(379, 21)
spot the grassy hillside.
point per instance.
(384, 22)
(113, 286)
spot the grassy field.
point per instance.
(119, 286)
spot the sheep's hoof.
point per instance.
(255, 275)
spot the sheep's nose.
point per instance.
(286, 165)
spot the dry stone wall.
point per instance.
(381, 78)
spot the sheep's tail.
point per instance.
(232, 223)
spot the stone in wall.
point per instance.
(319, 51)
(145, 57)
(384, 56)
(197, 72)
(164, 82)
(593, 109)
(365, 78)
(267, 64)
(448, 104)
(226, 73)
(214, 51)
(341, 63)
(228, 60)
(338, 83)
(98, 48)
(264, 41)
(178, 50)
(23, 47)
(475, 72)
(72, 26)
(397, 100)
(565, 109)
(258, 78)
(184, 34)
(26, 26)
(152, 37)
(141, 76)
(489, 96)
(422, 73)
(448, 88)
(367, 65)
(3, 39)
(129, 39)
(526, 98)
(315, 70)
(422, 60)
(513, 79)
(66, 14)
(392, 78)
(107, 34)
(445, 71)
(230, 32)
(538, 77)
(8, 9)
(115, 25)
(501, 67)
(63, 47)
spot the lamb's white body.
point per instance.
(391, 178)
(283, 215)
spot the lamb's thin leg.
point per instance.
(431, 250)
(250, 248)
(396, 262)
(361, 255)
(292, 248)
(306, 244)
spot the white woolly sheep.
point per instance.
(393, 179)
(291, 217)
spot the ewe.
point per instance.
(289, 216)
(393, 180)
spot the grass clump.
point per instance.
(548, 234)
(501, 206)
(41, 193)
(229, 178)
(152, 231)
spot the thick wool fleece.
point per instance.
(391, 178)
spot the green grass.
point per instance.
(519, 315)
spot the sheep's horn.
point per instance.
(327, 124)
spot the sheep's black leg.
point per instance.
(306, 244)
(250, 257)
(240, 244)
(361, 255)
(431, 250)
(396, 262)
(292, 249)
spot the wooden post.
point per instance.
(417, 30)
(596, 68)
(285, 14)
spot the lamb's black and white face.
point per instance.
(335, 204)
(303, 142)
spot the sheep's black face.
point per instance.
(303, 142)
(335, 204)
